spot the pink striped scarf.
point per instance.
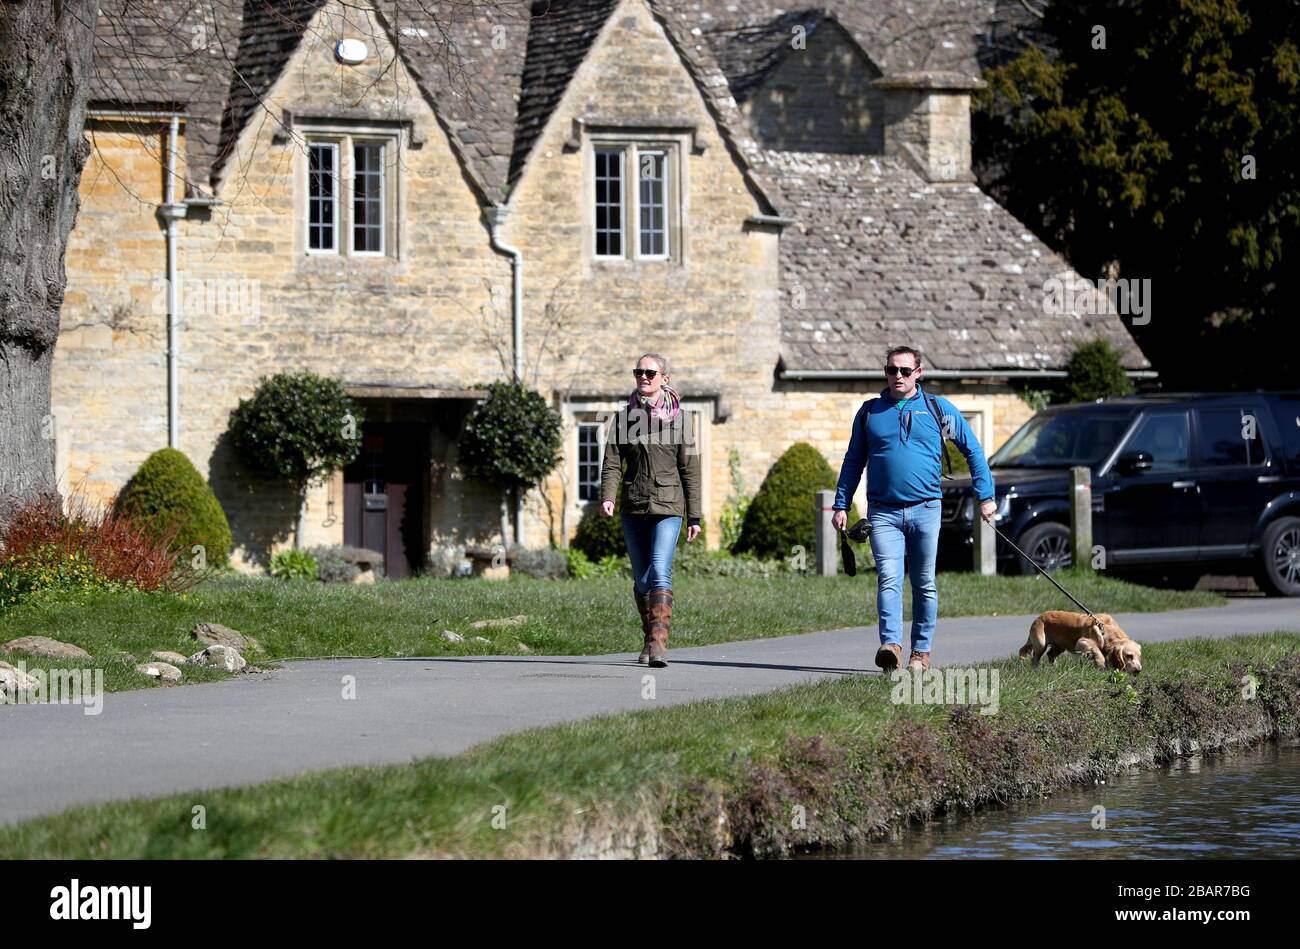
(666, 409)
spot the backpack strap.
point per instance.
(933, 406)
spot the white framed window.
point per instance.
(635, 193)
(652, 203)
(368, 211)
(609, 202)
(590, 455)
(587, 421)
(322, 197)
(350, 206)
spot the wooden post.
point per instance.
(986, 545)
(1081, 516)
(827, 542)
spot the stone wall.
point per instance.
(421, 316)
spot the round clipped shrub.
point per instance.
(599, 537)
(513, 439)
(167, 491)
(1095, 372)
(781, 515)
(299, 428)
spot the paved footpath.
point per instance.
(294, 719)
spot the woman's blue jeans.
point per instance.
(911, 531)
(651, 541)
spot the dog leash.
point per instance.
(863, 527)
(1043, 572)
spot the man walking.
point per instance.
(899, 438)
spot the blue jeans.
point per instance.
(651, 542)
(910, 530)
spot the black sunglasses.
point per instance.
(895, 370)
(648, 373)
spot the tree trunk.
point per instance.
(45, 61)
(300, 523)
(505, 519)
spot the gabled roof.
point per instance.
(561, 36)
(170, 54)
(749, 53)
(469, 61)
(897, 35)
(880, 257)
(879, 254)
(268, 36)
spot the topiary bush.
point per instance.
(167, 493)
(299, 428)
(512, 440)
(781, 515)
(599, 537)
(1095, 372)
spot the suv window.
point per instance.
(1230, 437)
(1063, 439)
(1286, 411)
(1166, 438)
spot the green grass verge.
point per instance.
(588, 617)
(725, 776)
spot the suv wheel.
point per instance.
(1279, 558)
(1049, 546)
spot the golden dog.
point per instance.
(1099, 638)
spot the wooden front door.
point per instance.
(383, 495)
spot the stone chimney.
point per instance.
(927, 122)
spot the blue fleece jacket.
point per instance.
(899, 443)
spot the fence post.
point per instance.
(1081, 516)
(986, 546)
(826, 541)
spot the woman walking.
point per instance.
(652, 453)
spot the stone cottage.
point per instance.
(419, 199)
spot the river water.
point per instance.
(1243, 805)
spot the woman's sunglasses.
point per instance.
(905, 370)
(648, 373)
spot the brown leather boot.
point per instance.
(661, 618)
(643, 607)
(919, 660)
(889, 656)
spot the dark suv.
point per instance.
(1182, 485)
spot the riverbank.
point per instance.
(818, 765)
(403, 618)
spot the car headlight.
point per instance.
(968, 509)
(1004, 508)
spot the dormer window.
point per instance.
(350, 194)
(635, 196)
